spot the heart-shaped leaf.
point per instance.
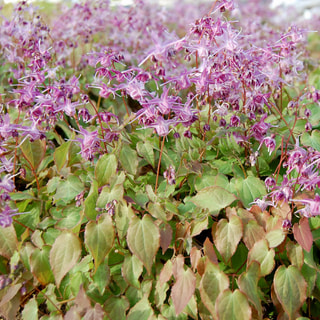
(144, 240)
(290, 288)
(227, 236)
(99, 237)
(212, 283)
(232, 305)
(64, 254)
(105, 168)
(213, 198)
(261, 253)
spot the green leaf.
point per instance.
(145, 150)
(261, 253)
(233, 305)
(116, 308)
(249, 190)
(290, 288)
(228, 235)
(160, 294)
(72, 218)
(61, 155)
(197, 226)
(68, 189)
(105, 168)
(311, 140)
(129, 159)
(141, 311)
(229, 146)
(64, 254)
(31, 219)
(207, 180)
(310, 275)
(248, 284)
(108, 194)
(8, 241)
(143, 239)
(213, 198)
(295, 254)
(123, 215)
(99, 238)
(91, 202)
(30, 311)
(40, 266)
(101, 277)
(275, 237)
(213, 282)
(131, 270)
(34, 152)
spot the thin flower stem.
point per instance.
(34, 173)
(284, 120)
(15, 150)
(125, 104)
(159, 164)
(100, 122)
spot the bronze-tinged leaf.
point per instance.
(283, 210)
(209, 251)
(195, 255)
(166, 273)
(302, 234)
(183, 290)
(178, 266)
(165, 236)
(253, 232)
(143, 239)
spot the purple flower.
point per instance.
(161, 126)
(7, 184)
(263, 204)
(234, 121)
(312, 207)
(308, 126)
(90, 143)
(286, 224)
(170, 175)
(6, 216)
(270, 183)
(270, 144)
(206, 127)
(188, 134)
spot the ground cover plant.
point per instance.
(158, 163)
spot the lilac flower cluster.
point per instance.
(302, 174)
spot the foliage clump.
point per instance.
(158, 164)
